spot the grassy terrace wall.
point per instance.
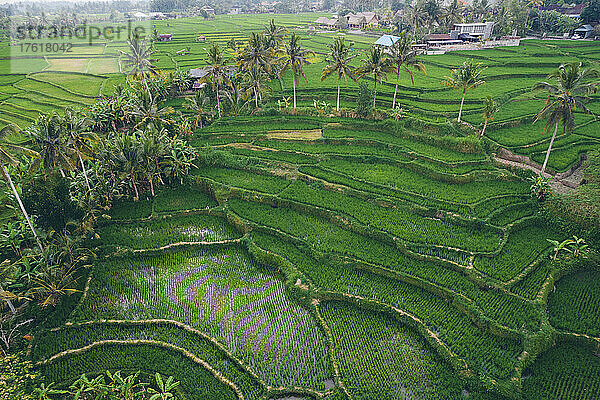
(349, 266)
(75, 81)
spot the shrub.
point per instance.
(364, 100)
(50, 201)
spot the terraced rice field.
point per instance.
(89, 72)
(332, 268)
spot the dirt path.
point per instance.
(562, 185)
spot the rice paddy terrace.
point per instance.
(51, 82)
(318, 258)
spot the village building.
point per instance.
(480, 30)
(209, 11)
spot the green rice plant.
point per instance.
(165, 231)
(379, 358)
(398, 219)
(331, 239)
(411, 182)
(124, 209)
(85, 84)
(491, 206)
(566, 371)
(526, 242)
(342, 179)
(223, 293)
(531, 285)
(243, 179)
(480, 349)
(196, 382)
(575, 303)
(54, 342)
(182, 198)
(283, 156)
(513, 212)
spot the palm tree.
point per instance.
(377, 64)
(48, 137)
(197, 104)
(402, 55)
(295, 58)
(138, 60)
(490, 107)
(146, 110)
(257, 52)
(153, 147)
(339, 62)
(255, 82)
(571, 87)
(7, 158)
(127, 157)
(76, 127)
(453, 13)
(216, 70)
(274, 35)
(465, 77)
(235, 97)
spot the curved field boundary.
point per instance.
(62, 88)
(155, 343)
(459, 301)
(174, 323)
(72, 72)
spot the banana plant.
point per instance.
(165, 388)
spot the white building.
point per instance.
(482, 30)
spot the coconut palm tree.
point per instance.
(6, 148)
(465, 77)
(295, 58)
(339, 62)
(236, 98)
(77, 129)
(490, 107)
(127, 158)
(146, 110)
(255, 82)
(453, 13)
(216, 73)
(570, 89)
(257, 52)
(403, 56)
(152, 148)
(48, 136)
(377, 64)
(139, 59)
(197, 104)
(274, 35)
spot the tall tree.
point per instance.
(254, 83)
(377, 64)
(490, 107)
(570, 90)
(256, 53)
(6, 158)
(49, 137)
(339, 60)
(138, 59)
(403, 56)
(197, 104)
(274, 34)
(76, 127)
(216, 72)
(465, 77)
(295, 58)
(453, 13)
